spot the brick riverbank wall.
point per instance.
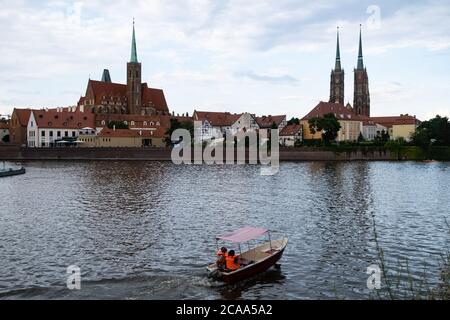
(17, 153)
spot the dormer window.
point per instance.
(132, 123)
(145, 123)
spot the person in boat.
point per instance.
(222, 260)
(232, 261)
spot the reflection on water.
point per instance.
(145, 230)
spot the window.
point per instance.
(58, 134)
(73, 134)
(51, 133)
(66, 134)
(132, 123)
(32, 124)
(43, 133)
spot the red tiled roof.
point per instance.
(4, 125)
(290, 130)
(217, 119)
(69, 120)
(154, 98)
(266, 122)
(150, 97)
(396, 120)
(128, 133)
(23, 115)
(339, 110)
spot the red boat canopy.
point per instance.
(243, 235)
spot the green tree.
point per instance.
(6, 138)
(382, 137)
(294, 121)
(118, 125)
(361, 138)
(175, 125)
(434, 131)
(329, 126)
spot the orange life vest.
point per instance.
(231, 264)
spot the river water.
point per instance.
(145, 230)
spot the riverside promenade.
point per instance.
(17, 153)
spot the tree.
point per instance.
(382, 137)
(6, 138)
(360, 138)
(274, 126)
(329, 126)
(118, 125)
(175, 125)
(434, 131)
(294, 121)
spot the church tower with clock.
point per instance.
(337, 78)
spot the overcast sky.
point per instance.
(264, 57)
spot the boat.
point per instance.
(8, 172)
(255, 260)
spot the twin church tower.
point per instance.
(361, 99)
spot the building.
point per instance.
(371, 129)
(291, 135)
(18, 126)
(51, 128)
(351, 125)
(361, 97)
(215, 125)
(337, 84)
(124, 138)
(134, 97)
(402, 126)
(134, 122)
(4, 130)
(270, 122)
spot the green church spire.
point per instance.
(360, 54)
(338, 54)
(134, 58)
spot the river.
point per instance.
(145, 230)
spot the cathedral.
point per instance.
(361, 98)
(134, 97)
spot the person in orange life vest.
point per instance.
(232, 261)
(222, 260)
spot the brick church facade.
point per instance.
(134, 97)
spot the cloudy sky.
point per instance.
(265, 57)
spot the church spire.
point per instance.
(338, 53)
(360, 54)
(134, 58)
